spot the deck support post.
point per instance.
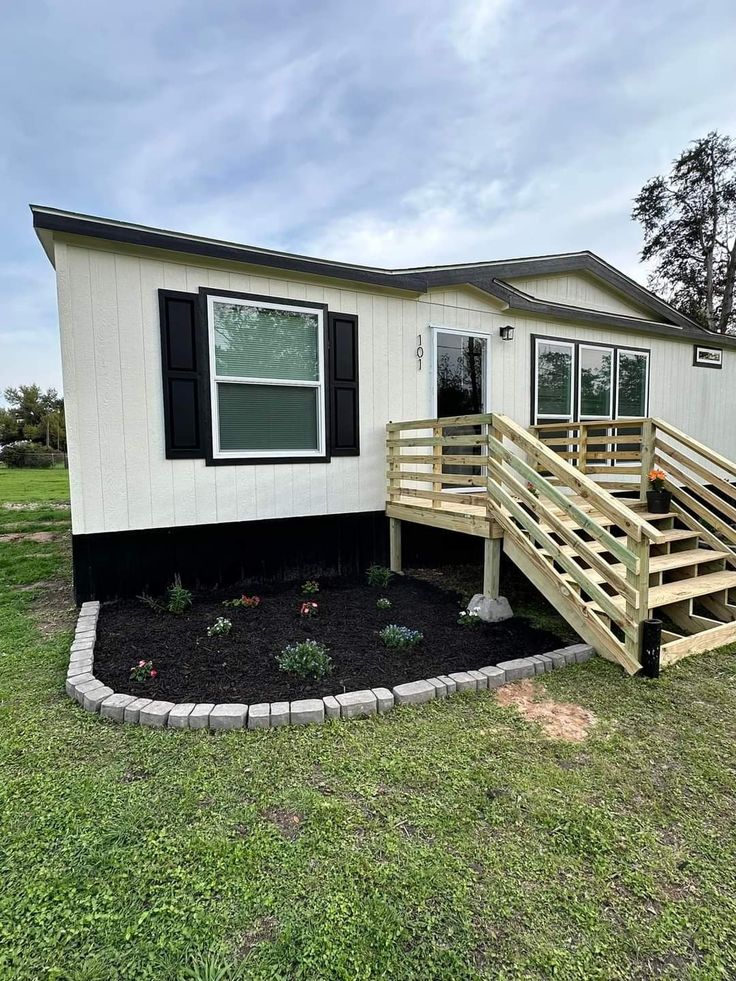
(639, 580)
(492, 567)
(647, 456)
(394, 532)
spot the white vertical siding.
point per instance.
(579, 290)
(121, 479)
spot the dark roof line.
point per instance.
(486, 276)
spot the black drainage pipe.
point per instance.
(651, 642)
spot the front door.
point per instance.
(461, 370)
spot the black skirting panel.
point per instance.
(126, 563)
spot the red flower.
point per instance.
(154, 672)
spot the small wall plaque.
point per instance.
(707, 357)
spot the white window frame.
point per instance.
(636, 354)
(554, 417)
(215, 379)
(435, 330)
(612, 382)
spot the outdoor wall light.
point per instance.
(507, 333)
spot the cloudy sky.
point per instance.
(394, 132)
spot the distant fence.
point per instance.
(34, 459)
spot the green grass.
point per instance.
(448, 842)
(30, 486)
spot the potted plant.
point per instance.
(658, 499)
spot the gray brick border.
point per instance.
(96, 697)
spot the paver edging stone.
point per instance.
(83, 687)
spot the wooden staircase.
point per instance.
(577, 525)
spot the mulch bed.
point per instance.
(193, 667)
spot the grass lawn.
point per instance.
(34, 485)
(454, 841)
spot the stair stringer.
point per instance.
(572, 607)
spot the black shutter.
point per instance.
(344, 425)
(181, 375)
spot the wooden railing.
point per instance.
(526, 500)
(608, 449)
(536, 498)
(423, 462)
(701, 483)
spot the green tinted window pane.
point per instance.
(258, 342)
(267, 417)
(554, 379)
(595, 381)
(632, 384)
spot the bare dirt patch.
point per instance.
(262, 931)
(28, 536)
(559, 720)
(288, 823)
(53, 607)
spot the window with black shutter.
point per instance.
(255, 379)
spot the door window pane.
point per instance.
(460, 374)
(595, 381)
(554, 379)
(632, 384)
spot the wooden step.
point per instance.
(676, 535)
(706, 640)
(685, 589)
(665, 563)
(671, 535)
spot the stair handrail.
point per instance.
(696, 446)
(717, 510)
(634, 526)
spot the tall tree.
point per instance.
(33, 414)
(689, 222)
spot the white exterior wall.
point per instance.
(120, 477)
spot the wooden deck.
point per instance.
(553, 501)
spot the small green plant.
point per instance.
(220, 628)
(307, 659)
(383, 603)
(469, 618)
(310, 587)
(400, 638)
(378, 575)
(178, 599)
(142, 671)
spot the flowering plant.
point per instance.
(656, 479)
(469, 618)
(142, 671)
(221, 627)
(310, 587)
(400, 638)
(251, 602)
(307, 659)
(383, 603)
(308, 609)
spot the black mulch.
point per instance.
(241, 667)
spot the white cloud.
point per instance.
(396, 134)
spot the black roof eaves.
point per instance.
(416, 280)
(523, 302)
(138, 235)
